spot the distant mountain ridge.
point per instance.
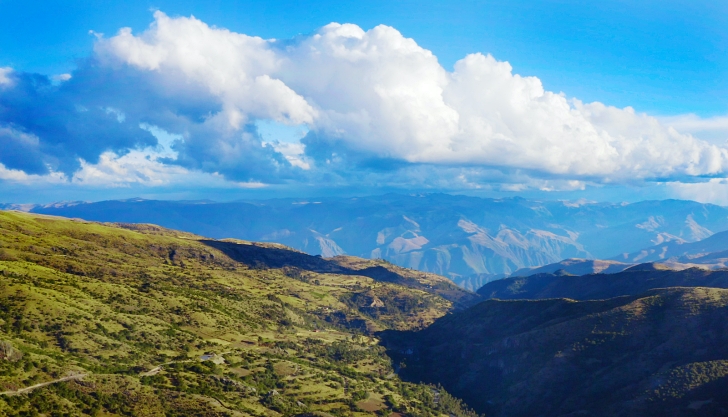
(575, 266)
(468, 239)
(635, 280)
(712, 250)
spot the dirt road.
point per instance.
(43, 384)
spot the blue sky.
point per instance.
(665, 60)
(666, 57)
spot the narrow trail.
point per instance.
(152, 372)
(159, 368)
(43, 384)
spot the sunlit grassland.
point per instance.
(164, 323)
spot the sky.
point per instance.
(225, 100)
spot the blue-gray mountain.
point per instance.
(471, 240)
(711, 252)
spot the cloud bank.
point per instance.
(376, 106)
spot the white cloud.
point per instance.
(18, 176)
(380, 93)
(61, 77)
(136, 167)
(233, 67)
(713, 191)
(342, 105)
(145, 167)
(713, 129)
(5, 76)
(376, 90)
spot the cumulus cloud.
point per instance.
(136, 167)
(48, 128)
(376, 106)
(509, 120)
(235, 68)
(713, 129)
(18, 176)
(380, 93)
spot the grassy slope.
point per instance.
(661, 353)
(292, 333)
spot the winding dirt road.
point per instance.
(43, 384)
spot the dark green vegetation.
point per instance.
(663, 353)
(136, 320)
(635, 280)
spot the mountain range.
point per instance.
(123, 319)
(711, 252)
(575, 266)
(468, 239)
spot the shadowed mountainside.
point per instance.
(662, 353)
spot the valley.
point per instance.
(123, 319)
(660, 353)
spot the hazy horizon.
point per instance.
(354, 195)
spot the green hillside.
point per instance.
(136, 320)
(662, 353)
